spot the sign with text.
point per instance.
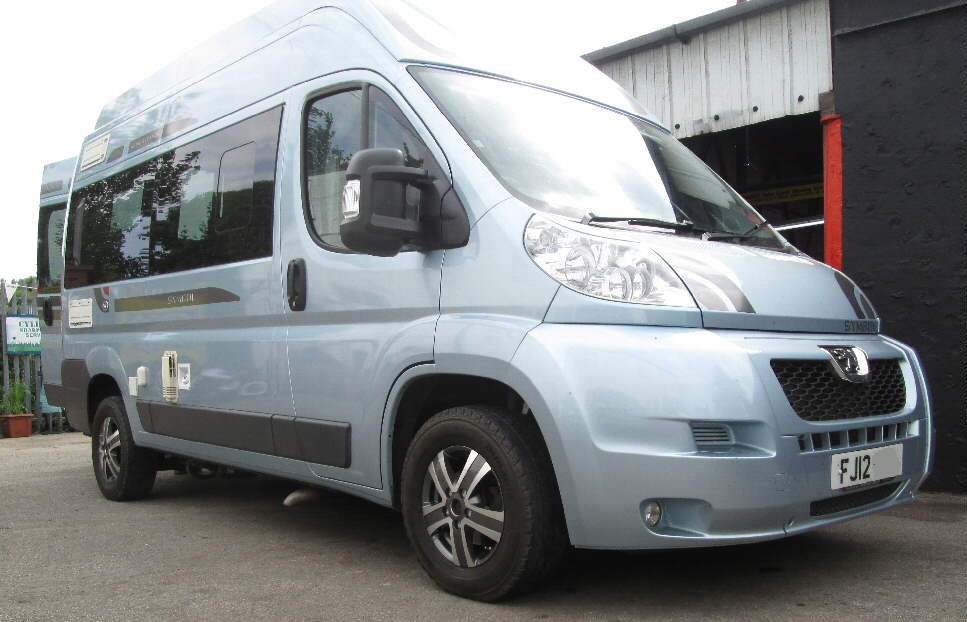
(23, 334)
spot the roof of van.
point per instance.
(407, 33)
(57, 178)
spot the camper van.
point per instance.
(54, 190)
(341, 245)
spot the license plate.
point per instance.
(864, 466)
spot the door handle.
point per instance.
(295, 284)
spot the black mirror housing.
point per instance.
(382, 202)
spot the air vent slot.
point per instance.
(706, 434)
(852, 501)
(858, 437)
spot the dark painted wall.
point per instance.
(898, 77)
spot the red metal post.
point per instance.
(833, 190)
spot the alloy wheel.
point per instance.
(109, 450)
(463, 511)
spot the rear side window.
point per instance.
(206, 203)
(333, 131)
(50, 258)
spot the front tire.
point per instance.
(124, 471)
(480, 505)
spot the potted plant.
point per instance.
(15, 416)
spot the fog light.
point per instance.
(652, 513)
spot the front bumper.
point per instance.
(618, 406)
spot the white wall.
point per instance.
(766, 61)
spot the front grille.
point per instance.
(817, 394)
(852, 500)
(858, 438)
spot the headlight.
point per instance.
(603, 268)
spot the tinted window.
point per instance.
(104, 245)
(333, 133)
(50, 259)
(128, 217)
(206, 203)
(235, 189)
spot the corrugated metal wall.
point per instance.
(743, 72)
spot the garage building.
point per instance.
(842, 121)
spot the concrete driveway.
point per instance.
(227, 549)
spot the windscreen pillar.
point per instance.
(833, 190)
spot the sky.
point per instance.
(63, 59)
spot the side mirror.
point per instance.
(382, 202)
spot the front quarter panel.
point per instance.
(615, 394)
(492, 293)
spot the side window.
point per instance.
(182, 209)
(234, 211)
(113, 228)
(129, 218)
(50, 260)
(215, 203)
(333, 133)
(206, 203)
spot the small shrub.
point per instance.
(15, 401)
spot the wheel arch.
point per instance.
(424, 390)
(99, 388)
(102, 375)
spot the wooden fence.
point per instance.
(22, 367)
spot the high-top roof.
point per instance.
(407, 33)
(57, 178)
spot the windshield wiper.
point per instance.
(725, 235)
(685, 225)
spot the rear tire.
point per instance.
(124, 471)
(480, 504)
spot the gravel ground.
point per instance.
(227, 549)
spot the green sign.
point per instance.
(23, 334)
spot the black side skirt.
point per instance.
(312, 440)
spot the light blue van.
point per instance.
(338, 245)
(54, 192)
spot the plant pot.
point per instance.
(16, 426)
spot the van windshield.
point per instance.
(569, 157)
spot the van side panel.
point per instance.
(223, 318)
(366, 318)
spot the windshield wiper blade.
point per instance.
(725, 235)
(685, 225)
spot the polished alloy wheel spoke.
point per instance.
(485, 521)
(112, 464)
(441, 477)
(109, 450)
(113, 441)
(435, 517)
(463, 557)
(474, 470)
